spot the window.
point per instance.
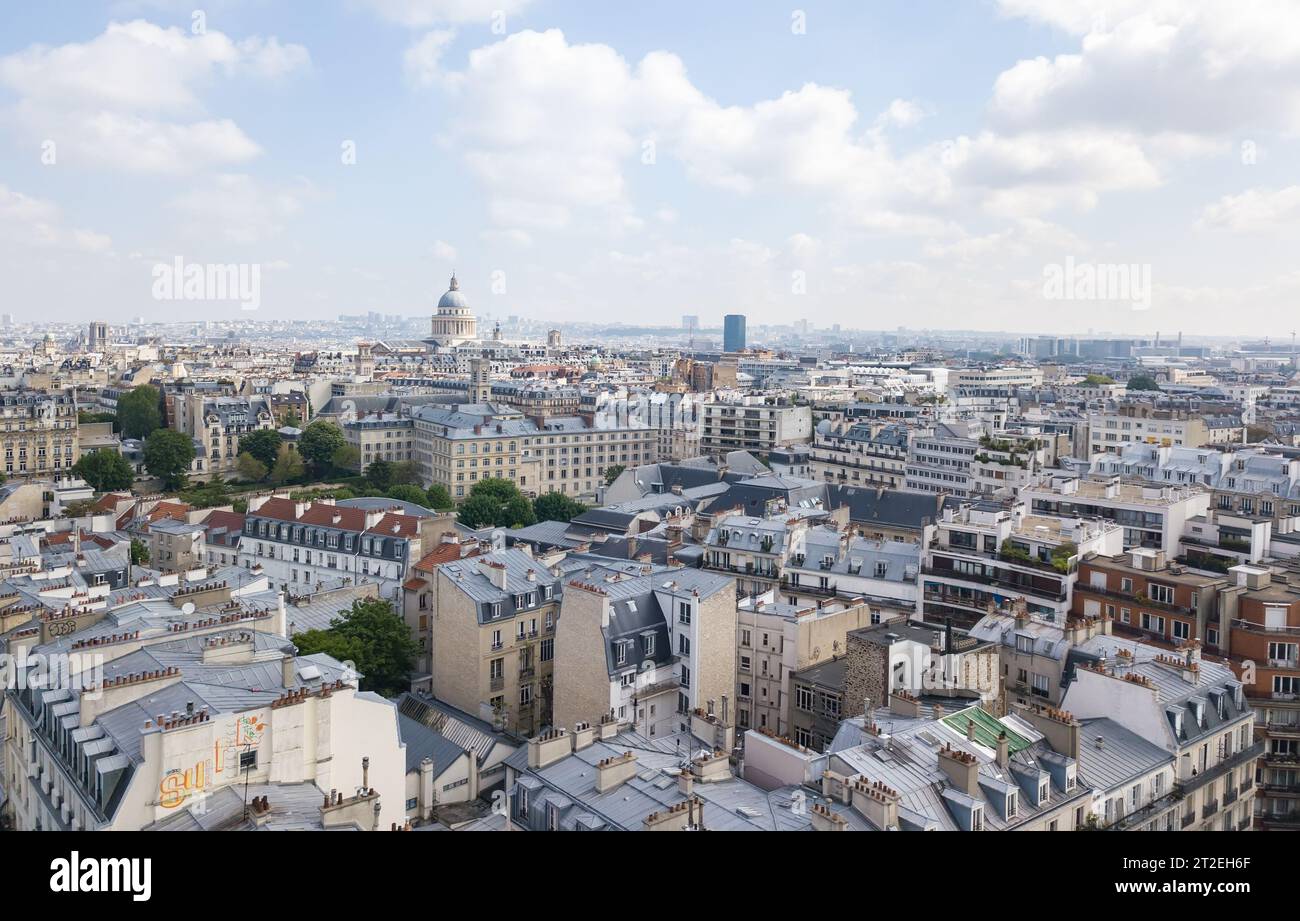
(248, 760)
(1162, 593)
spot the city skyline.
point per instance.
(573, 164)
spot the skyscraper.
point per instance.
(733, 332)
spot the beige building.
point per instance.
(383, 436)
(650, 648)
(774, 640)
(39, 435)
(492, 622)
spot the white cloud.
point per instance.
(443, 252)
(32, 221)
(236, 208)
(130, 97)
(1254, 211)
(423, 60)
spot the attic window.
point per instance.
(1044, 790)
(1012, 804)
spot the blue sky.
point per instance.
(870, 164)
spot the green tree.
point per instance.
(139, 552)
(612, 473)
(374, 639)
(408, 493)
(439, 498)
(318, 444)
(556, 506)
(496, 503)
(263, 445)
(105, 470)
(1096, 380)
(250, 468)
(139, 412)
(1143, 382)
(288, 466)
(293, 420)
(347, 457)
(168, 455)
(380, 474)
(405, 472)
(89, 418)
(208, 495)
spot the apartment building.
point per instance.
(774, 641)
(990, 553)
(838, 563)
(1111, 428)
(930, 666)
(754, 424)
(306, 543)
(1148, 596)
(178, 716)
(1195, 709)
(216, 424)
(941, 461)
(1151, 516)
(382, 436)
(756, 551)
(493, 635)
(1261, 621)
(40, 433)
(860, 453)
(647, 646)
(458, 447)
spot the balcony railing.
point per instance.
(1188, 818)
(1209, 809)
(498, 683)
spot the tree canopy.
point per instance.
(612, 473)
(288, 466)
(1143, 382)
(105, 470)
(139, 412)
(496, 503)
(374, 639)
(263, 445)
(556, 506)
(319, 443)
(168, 455)
(438, 498)
(405, 492)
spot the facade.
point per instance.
(40, 434)
(753, 424)
(1110, 429)
(493, 636)
(453, 322)
(1151, 516)
(647, 649)
(305, 544)
(458, 447)
(941, 462)
(382, 436)
(860, 453)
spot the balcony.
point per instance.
(1024, 588)
(1244, 757)
(1188, 818)
(1134, 599)
(1244, 824)
(498, 683)
(1230, 796)
(1209, 809)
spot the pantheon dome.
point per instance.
(454, 322)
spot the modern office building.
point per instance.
(733, 332)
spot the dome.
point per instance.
(453, 299)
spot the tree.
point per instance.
(288, 466)
(292, 419)
(496, 503)
(405, 492)
(318, 444)
(347, 457)
(380, 474)
(1096, 380)
(263, 445)
(556, 506)
(374, 639)
(405, 472)
(207, 495)
(250, 468)
(439, 498)
(79, 509)
(612, 473)
(139, 552)
(138, 412)
(168, 455)
(105, 470)
(1143, 382)
(89, 418)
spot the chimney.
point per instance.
(615, 771)
(1059, 727)
(904, 704)
(961, 768)
(548, 748)
(876, 803)
(685, 782)
(970, 730)
(1004, 750)
(289, 669)
(712, 768)
(823, 819)
(583, 735)
(365, 773)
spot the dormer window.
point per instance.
(1013, 802)
(1044, 790)
(977, 819)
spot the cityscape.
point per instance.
(628, 509)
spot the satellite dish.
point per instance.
(187, 608)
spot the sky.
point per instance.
(883, 164)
